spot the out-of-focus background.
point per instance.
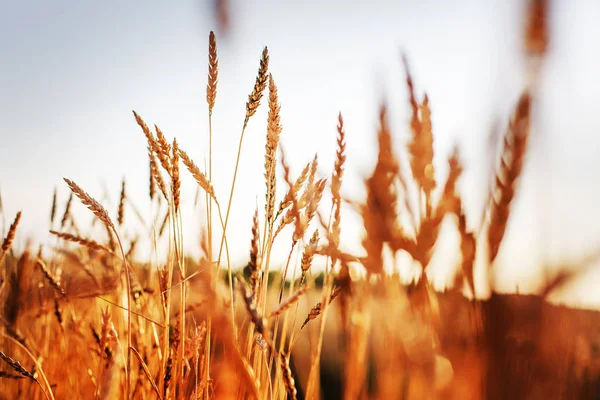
(71, 74)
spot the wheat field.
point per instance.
(82, 318)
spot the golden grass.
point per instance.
(200, 329)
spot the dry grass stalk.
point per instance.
(468, 246)
(53, 282)
(155, 176)
(309, 252)
(536, 33)
(511, 164)
(198, 175)
(10, 236)
(293, 188)
(122, 198)
(289, 302)
(273, 133)
(317, 308)
(254, 263)
(259, 321)
(213, 72)
(288, 379)
(146, 371)
(89, 243)
(53, 209)
(17, 367)
(95, 207)
(175, 180)
(162, 149)
(67, 212)
(259, 86)
(379, 212)
(336, 181)
(421, 151)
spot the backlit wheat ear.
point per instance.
(162, 149)
(536, 32)
(316, 310)
(10, 237)
(53, 209)
(253, 266)
(213, 72)
(122, 198)
(67, 212)
(198, 175)
(259, 86)
(155, 175)
(336, 181)
(48, 275)
(90, 244)
(273, 132)
(288, 303)
(95, 207)
(511, 164)
(175, 180)
(288, 379)
(17, 367)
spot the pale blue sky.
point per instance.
(71, 72)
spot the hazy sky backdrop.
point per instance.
(71, 72)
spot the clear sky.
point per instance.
(70, 74)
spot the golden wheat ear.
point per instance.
(507, 175)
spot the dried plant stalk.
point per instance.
(122, 198)
(259, 86)
(200, 178)
(511, 164)
(175, 180)
(89, 243)
(286, 304)
(10, 237)
(273, 133)
(213, 72)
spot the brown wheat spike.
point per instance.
(10, 237)
(67, 212)
(468, 246)
(53, 209)
(450, 202)
(146, 130)
(260, 322)
(17, 367)
(259, 86)
(155, 175)
(253, 265)
(379, 212)
(273, 132)
(536, 33)
(151, 183)
(511, 164)
(122, 198)
(336, 180)
(309, 252)
(288, 379)
(287, 303)
(308, 192)
(293, 188)
(95, 207)
(316, 310)
(51, 280)
(175, 180)
(89, 243)
(421, 151)
(311, 209)
(213, 72)
(200, 178)
(162, 149)
(164, 223)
